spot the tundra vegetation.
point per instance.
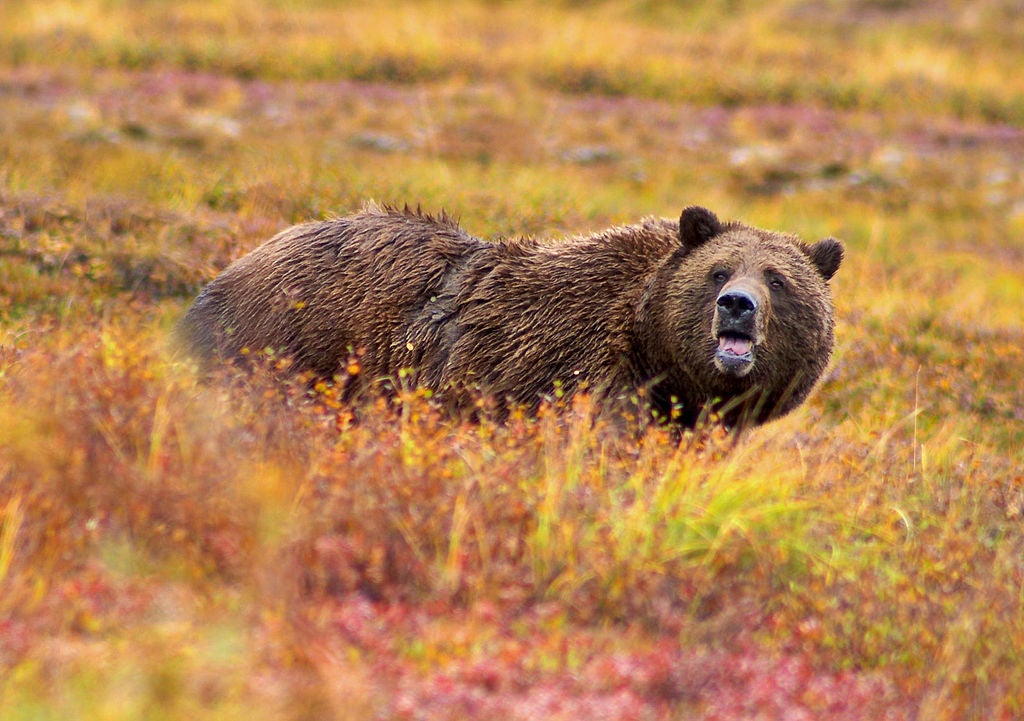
(240, 548)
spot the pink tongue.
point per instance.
(734, 345)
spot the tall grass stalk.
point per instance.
(12, 518)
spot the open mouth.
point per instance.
(735, 353)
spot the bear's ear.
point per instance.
(697, 226)
(826, 255)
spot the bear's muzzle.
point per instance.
(736, 329)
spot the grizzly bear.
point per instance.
(686, 318)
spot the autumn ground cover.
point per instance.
(239, 548)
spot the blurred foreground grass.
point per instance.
(170, 548)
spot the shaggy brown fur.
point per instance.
(632, 311)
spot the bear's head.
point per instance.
(748, 315)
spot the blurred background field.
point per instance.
(171, 548)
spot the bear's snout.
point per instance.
(737, 329)
(737, 307)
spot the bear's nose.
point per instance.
(737, 305)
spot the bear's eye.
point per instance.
(720, 276)
(775, 282)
